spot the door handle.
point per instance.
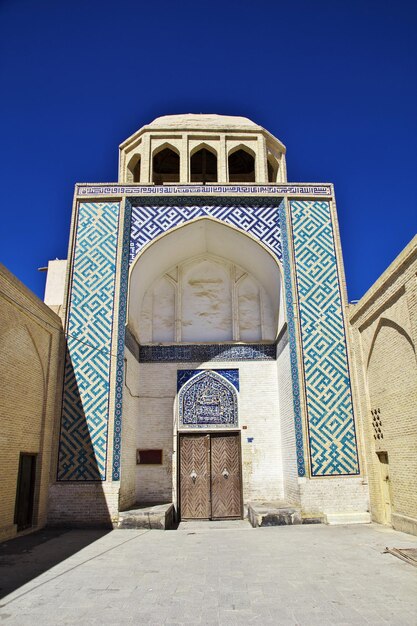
(193, 476)
(225, 473)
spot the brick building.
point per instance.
(208, 355)
(207, 362)
(32, 344)
(384, 331)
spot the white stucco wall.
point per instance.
(289, 455)
(155, 384)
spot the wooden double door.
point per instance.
(210, 476)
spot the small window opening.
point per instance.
(203, 167)
(148, 457)
(241, 167)
(377, 423)
(166, 167)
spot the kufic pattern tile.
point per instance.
(332, 437)
(84, 423)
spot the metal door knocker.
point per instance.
(193, 476)
(225, 473)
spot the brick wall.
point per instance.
(129, 436)
(289, 457)
(31, 359)
(384, 330)
(83, 504)
(150, 403)
(347, 495)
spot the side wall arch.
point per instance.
(392, 389)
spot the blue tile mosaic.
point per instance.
(150, 221)
(208, 400)
(286, 189)
(292, 333)
(232, 375)
(332, 437)
(202, 353)
(84, 423)
(117, 434)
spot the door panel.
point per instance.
(195, 477)
(225, 476)
(385, 486)
(210, 476)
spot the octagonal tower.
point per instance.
(202, 149)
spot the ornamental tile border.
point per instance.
(296, 189)
(194, 353)
(292, 334)
(117, 435)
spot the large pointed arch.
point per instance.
(199, 236)
(386, 322)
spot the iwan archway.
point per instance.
(205, 308)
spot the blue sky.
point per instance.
(336, 82)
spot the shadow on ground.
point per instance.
(24, 558)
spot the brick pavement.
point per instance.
(210, 573)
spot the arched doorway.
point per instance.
(209, 461)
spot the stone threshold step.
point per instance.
(275, 513)
(155, 516)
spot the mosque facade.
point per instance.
(207, 355)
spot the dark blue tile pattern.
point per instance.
(208, 400)
(210, 352)
(232, 375)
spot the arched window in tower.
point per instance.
(272, 169)
(166, 167)
(203, 166)
(241, 167)
(133, 169)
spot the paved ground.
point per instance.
(209, 573)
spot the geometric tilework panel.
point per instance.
(332, 437)
(84, 424)
(148, 222)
